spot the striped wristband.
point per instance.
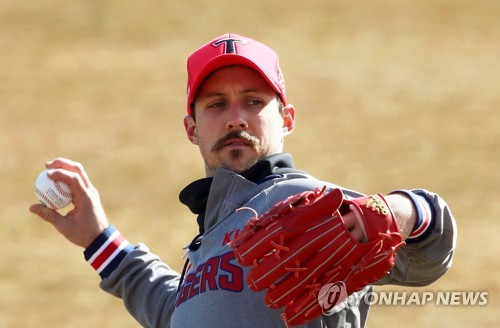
(107, 251)
(425, 219)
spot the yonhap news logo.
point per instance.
(333, 298)
(440, 298)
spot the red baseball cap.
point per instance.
(233, 49)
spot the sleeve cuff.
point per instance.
(425, 218)
(107, 251)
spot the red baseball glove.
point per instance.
(302, 244)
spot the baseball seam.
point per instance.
(60, 189)
(45, 198)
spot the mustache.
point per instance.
(243, 135)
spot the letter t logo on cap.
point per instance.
(229, 44)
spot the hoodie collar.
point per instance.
(195, 195)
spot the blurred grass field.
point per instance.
(389, 94)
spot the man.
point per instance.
(238, 116)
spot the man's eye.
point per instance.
(255, 102)
(217, 104)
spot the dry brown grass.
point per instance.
(389, 94)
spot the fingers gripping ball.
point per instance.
(302, 244)
(52, 194)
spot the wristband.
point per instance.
(425, 220)
(107, 251)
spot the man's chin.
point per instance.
(238, 160)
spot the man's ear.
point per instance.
(288, 119)
(191, 132)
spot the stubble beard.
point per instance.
(236, 161)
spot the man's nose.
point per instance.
(236, 119)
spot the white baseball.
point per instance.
(53, 194)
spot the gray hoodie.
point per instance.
(213, 292)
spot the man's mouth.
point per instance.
(237, 143)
